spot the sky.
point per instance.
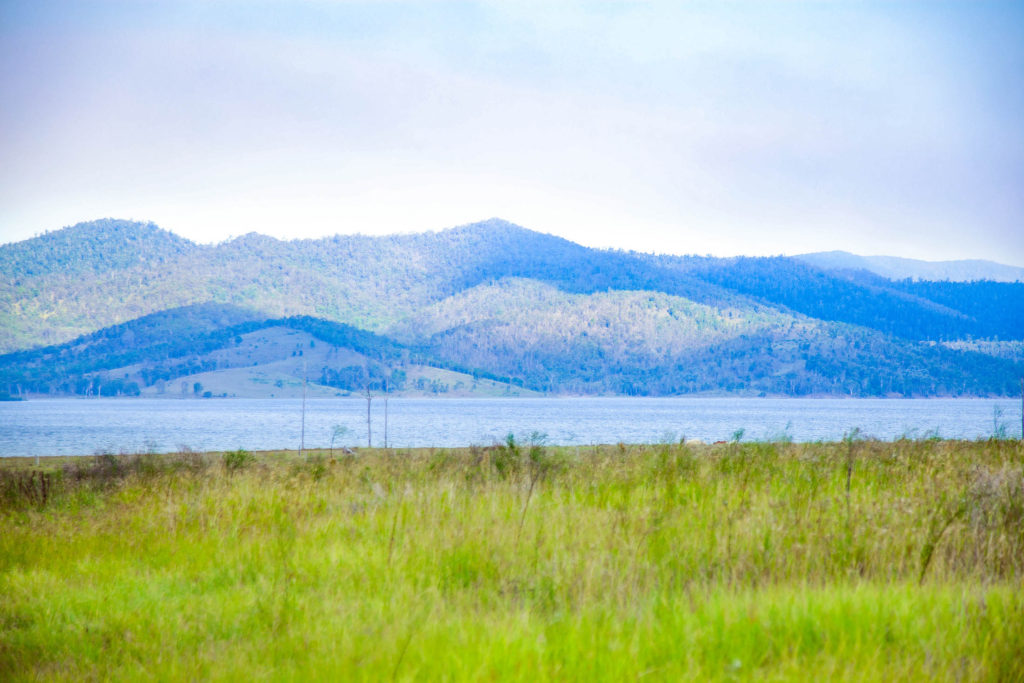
(677, 127)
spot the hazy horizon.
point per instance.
(709, 128)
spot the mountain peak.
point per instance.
(488, 226)
(119, 227)
(98, 246)
(497, 233)
(254, 239)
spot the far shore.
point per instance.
(513, 395)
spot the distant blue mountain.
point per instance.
(896, 268)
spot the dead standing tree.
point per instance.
(369, 400)
(367, 385)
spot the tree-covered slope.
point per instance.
(495, 299)
(80, 279)
(638, 342)
(94, 247)
(517, 333)
(370, 282)
(126, 358)
(919, 310)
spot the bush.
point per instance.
(237, 460)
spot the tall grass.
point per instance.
(853, 560)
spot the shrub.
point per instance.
(237, 460)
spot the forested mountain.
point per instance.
(921, 310)
(636, 342)
(494, 300)
(506, 337)
(96, 247)
(213, 339)
(895, 268)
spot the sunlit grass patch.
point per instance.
(858, 560)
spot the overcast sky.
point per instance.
(722, 128)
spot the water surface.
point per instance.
(86, 426)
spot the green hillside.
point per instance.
(496, 301)
(219, 350)
(653, 343)
(512, 337)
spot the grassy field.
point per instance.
(858, 560)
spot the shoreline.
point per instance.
(532, 396)
(285, 455)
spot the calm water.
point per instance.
(85, 426)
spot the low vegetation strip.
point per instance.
(857, 560)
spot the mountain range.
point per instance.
(118, 307)
(896, 268)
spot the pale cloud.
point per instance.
(721, 128)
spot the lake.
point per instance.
(87, 426)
